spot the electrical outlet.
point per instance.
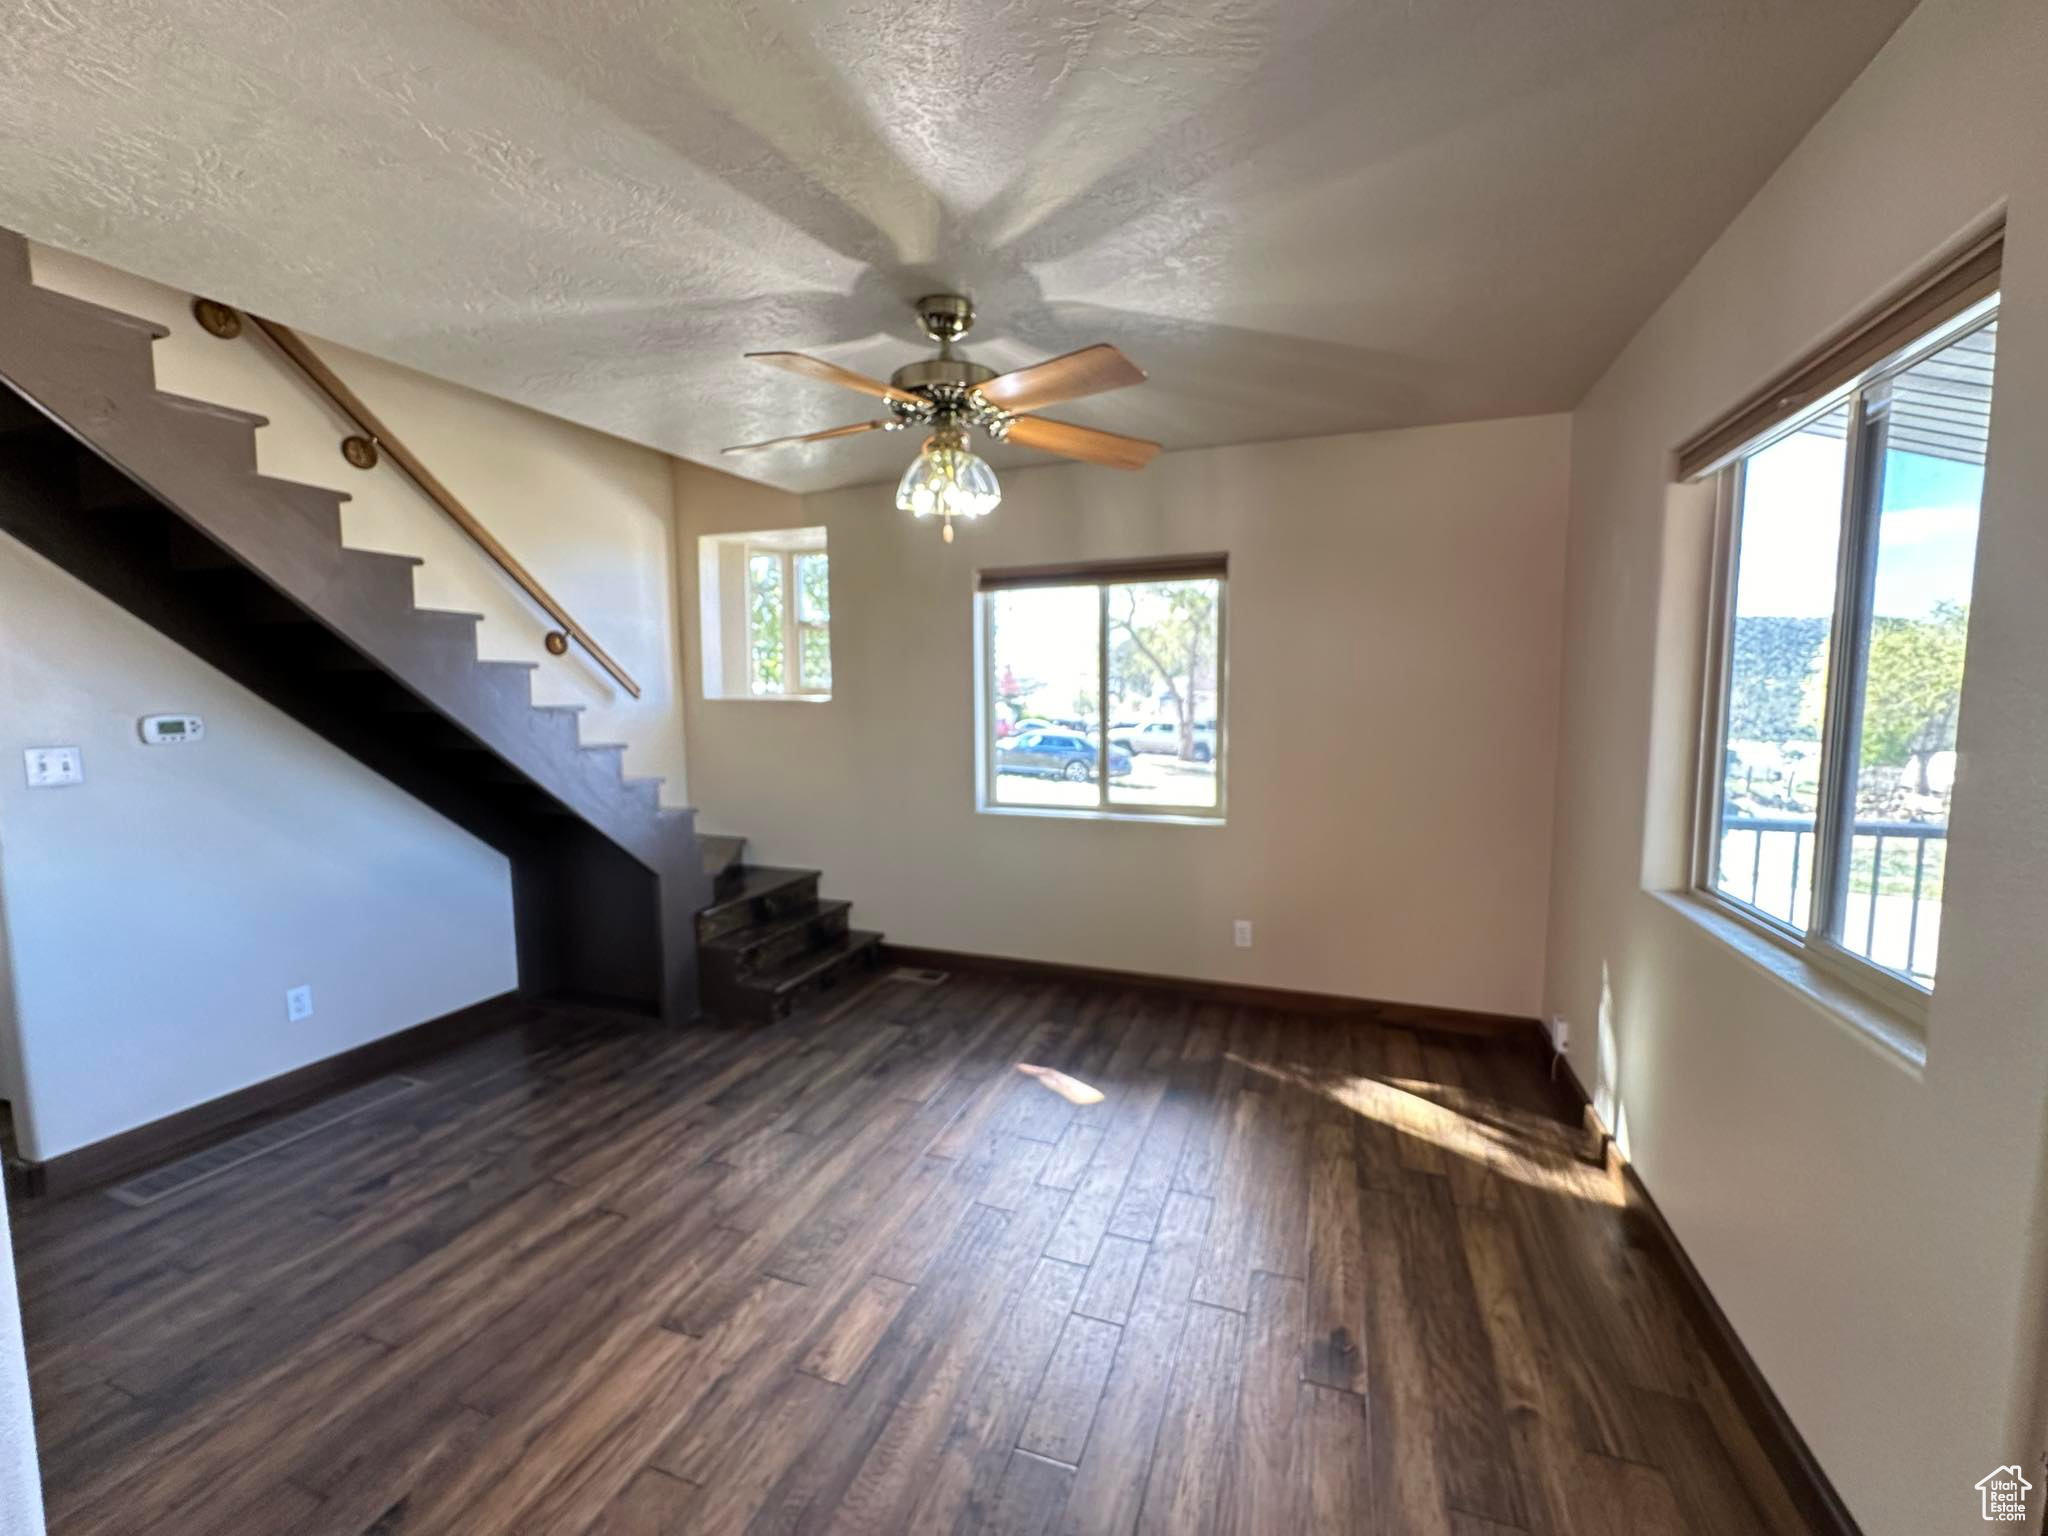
(1241, 933)
(1560, 1032)
(298, 1004)
(53, 767)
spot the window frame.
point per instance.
(1102, 578)
(1833, 837)
(795, 685)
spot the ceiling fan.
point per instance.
(954, 397)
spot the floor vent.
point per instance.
(919, 976)
(173, 1178)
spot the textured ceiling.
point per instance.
(1300, 216)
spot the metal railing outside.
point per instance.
(1871, 834)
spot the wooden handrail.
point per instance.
(330, 384)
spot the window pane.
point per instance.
(814, 589)
(816, 656)
(1163, 655)
(764, 622)
(1928, 427)
(1044, 674)
(1777, 669)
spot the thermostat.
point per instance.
(166, 730)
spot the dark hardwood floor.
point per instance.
(994, 1256)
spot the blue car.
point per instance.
(1057, 755)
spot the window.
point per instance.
(1851, 538)
(812, 617)
(766, 611)
(789, 613)
(1102, 688)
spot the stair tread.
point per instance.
(211, 408)
(286, 486)
(740, 940)
(758, 880)
(153, 329)
(811, 964)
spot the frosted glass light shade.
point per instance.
(947, 481)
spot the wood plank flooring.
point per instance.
(1204, 1268)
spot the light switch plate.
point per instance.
(54, 767)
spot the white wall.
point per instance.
(10, 1064)
(21, 1488)
(1394, 619)
(589, 515)
(158, 912)
(1869, 1226)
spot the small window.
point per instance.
(1139, 646)
(766, 611)
(813, 586)
(1851, 536)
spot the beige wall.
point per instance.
(1869, 1225)
(588, 514)
(1394, 613)
(157, 913)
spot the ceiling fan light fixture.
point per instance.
(947, 481)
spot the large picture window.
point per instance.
(1102, 688)
(1850, 537)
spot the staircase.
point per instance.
(767, 943)
(154, 501)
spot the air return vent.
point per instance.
(173, 1178)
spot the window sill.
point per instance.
(767, 698)
(1892, 1033)
(1071, 813)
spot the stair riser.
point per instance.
(740, 1003)
(764, 909)
(852, 967)
(723, 859)
(828, 929)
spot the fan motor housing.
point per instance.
(941, 373)
(945, 316)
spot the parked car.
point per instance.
(1163, 737)
(1054, 754)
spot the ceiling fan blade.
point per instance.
(1089, 371)
(811, 437)
(831, 373)
(1082, 443)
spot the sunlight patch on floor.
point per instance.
(1413, 1107)
(1072, 1089)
